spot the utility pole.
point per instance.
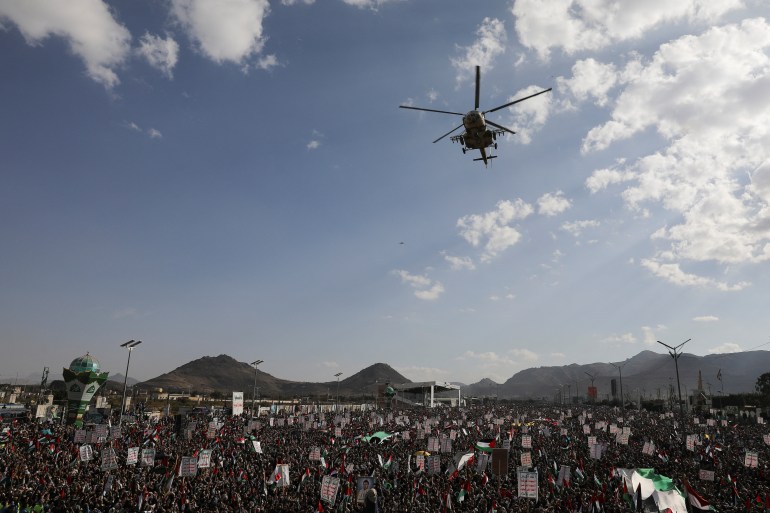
(620, 372)
(675, 354)
(254, 392)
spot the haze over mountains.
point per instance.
(647, 373)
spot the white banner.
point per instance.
(204, 458)
(237, 403)
(86, 453)
(109, 459)
(148, 457)
(527, 484)
(189, 466)
(132, 457)
(329, 487)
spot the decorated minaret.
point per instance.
(82, 380)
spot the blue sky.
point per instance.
(235, 177)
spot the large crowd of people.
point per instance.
(419, 460)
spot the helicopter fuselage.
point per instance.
(476, 135)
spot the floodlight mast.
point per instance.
(337, 406)
(254, 392)
(675, 354)
(131, 344)
(620, 372)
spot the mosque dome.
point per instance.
(86, 363)
(389, 391)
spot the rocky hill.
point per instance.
(648, 373)
(225, 374)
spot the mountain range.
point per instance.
(652, 375)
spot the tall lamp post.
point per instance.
(620, 373)
(675, 354)
(254, 392)
(337, 407)
(131, 344)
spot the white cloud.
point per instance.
(267, 62)
(421, 373)
(426, 289)
(603, 178)
(576, 228)
(154, 133)
(551, 204)
(372, 4)
(708, 97)
(457, 263)
(160, 53)
(706, 318)
(578, 25)
(330, 365)
(88, 26)
(133, 126)
(727, 347)
(432, 95)
(488, 358)
(558, 355)
(431, 293)
(590, 79)
(494, 227)
(625, 338)
(524, 355)
(672, 273)
(293, 2)
(490, 43)
(315, 140)
(224, 30)
(648, 333)
(529, 116)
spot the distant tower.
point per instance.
(82, 380)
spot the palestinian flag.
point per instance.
(695, 498)
(320, 507)
(485, 445)
(388, 463)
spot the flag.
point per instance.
(447, 502)
(388, 463)
(485, 445)
(484, 479)
(695, 499)
(719, 375)
(320, 507)
(465, 459)
(280, 476)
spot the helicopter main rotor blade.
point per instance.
(501, 127)
(430, 110)
(478, 82)
(517, 101)
(446, 134)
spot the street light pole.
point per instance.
(131, 344)
(675, 354)
(254, 392)
(337, 406)
(620, 373)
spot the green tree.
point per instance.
(763, 384)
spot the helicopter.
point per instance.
(477, 135)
